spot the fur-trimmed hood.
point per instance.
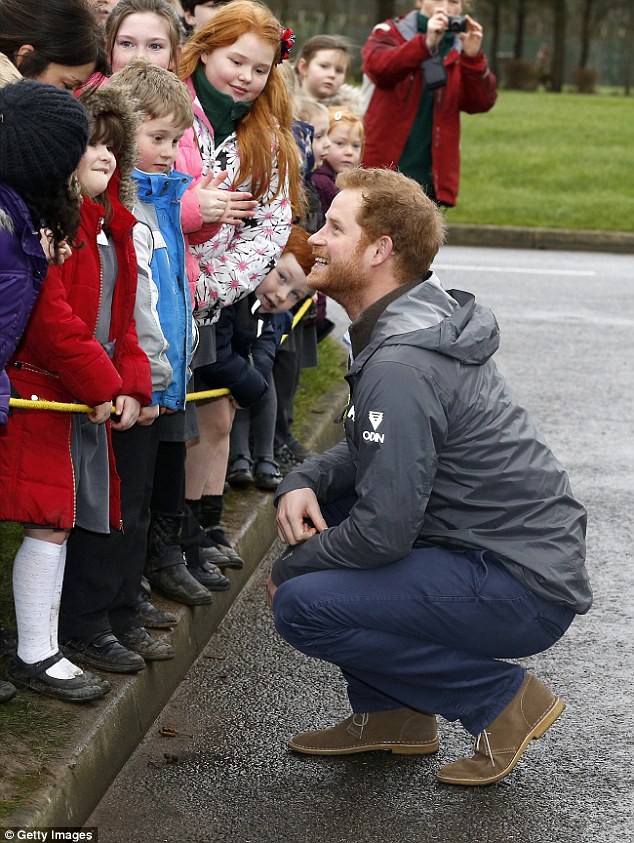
(8, 71)
(104, 100)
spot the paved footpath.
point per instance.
(214, 766)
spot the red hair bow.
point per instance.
(287, 37)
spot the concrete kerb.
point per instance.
(516, 237)
(108, 732)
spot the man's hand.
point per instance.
(128, 409)
(472, 38)
(436, 26)
(294, 512)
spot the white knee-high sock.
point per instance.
(53, 624)
(38, 572)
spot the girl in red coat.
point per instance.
(57, 469)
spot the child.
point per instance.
(103, 8)
(166, 101)
(150, 29)
(323, 66)
(59, 42)
(300, 348)
(57, 469)
(147, 29)
(347, 138)
(283, 288)
(33, 186)
(242, 125)
(196, 13)
(315, 114)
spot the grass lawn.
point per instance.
(553, 160)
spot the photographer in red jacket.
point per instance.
(426, 67)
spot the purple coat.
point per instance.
(23, 267)
(324, 180)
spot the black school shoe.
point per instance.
(240, 473)
(105, 653)
(267, 475)
(141, 642)
(151, 616)
(83, 688)
(210, 576)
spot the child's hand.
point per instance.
(100, 413)
(240, 206)
(127, 411)
(212, 200)
(63, 250)
(148, 415)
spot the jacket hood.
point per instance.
(448, 322)
(107, 100)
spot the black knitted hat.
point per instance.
(43, 135)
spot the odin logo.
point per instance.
(373, 436)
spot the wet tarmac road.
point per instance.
(215, 767)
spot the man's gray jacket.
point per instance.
(438, 451)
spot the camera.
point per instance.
(457, 23)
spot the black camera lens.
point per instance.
(457, 23)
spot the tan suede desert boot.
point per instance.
(400, 730)
(499, 747)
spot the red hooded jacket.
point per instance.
(59, 360)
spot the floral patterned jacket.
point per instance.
(233, 259)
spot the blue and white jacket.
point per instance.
(164, 311)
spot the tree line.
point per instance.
(570, 27)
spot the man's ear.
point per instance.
(383, 248)
(23, 51)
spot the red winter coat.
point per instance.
(59, 360)
(392, 58)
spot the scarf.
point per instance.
(220, 109)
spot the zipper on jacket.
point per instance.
(29, 367)
(101, 222)
(72, 469)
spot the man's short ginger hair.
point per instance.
(394, 205)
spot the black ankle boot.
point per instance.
(166, 569)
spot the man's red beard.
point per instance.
(344, 280)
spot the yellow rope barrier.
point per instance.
(59, 407)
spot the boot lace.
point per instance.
(360, 721)
(484, 738)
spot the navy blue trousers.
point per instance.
(428, 632)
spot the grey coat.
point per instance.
(438, 451)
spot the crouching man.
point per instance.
(441, 536)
